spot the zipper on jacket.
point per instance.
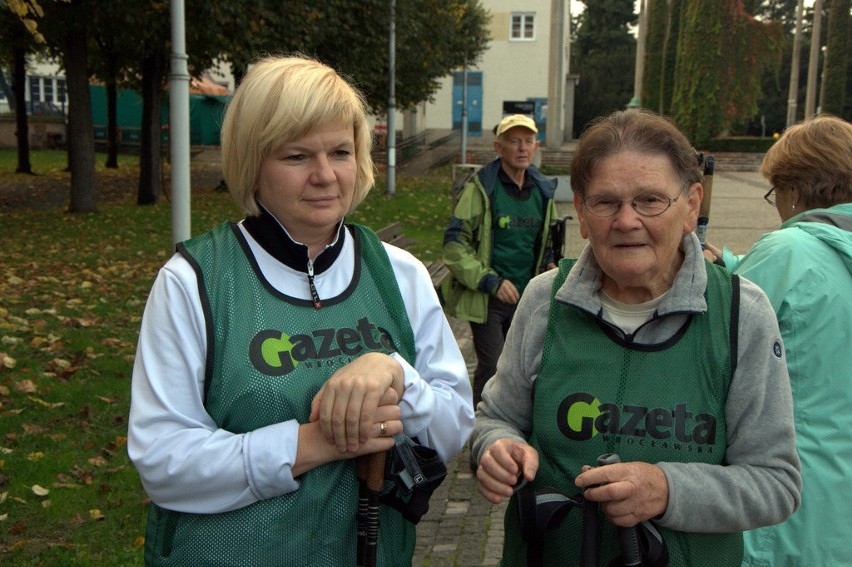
(314, 295)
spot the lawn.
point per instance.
(72, 291)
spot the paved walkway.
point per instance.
(461, 528)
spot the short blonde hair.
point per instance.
(280, 100)
(815, 157)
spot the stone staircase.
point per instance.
(437, 149)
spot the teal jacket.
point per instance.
(468, 248)
(805, 268)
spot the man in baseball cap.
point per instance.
(497, 240)
(513, 120)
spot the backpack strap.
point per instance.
(735, 321)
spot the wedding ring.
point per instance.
(383, 429)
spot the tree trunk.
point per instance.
(832, 99)
(81, 135)
(150, 158)
(112, 122)
(22, 129)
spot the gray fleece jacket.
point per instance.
(760, 483)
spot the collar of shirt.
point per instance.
(512, 187)
(272, 236)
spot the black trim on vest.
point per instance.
(626, 341)
(208, 317)
(356, 275)
(734, 331)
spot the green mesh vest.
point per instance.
(268, 355)
(596, 394)
(516, 227)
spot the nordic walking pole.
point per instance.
(631, 554)
(371, 477)
(589, 543)
(704, 211)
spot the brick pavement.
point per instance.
(461, 528)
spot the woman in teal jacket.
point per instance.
(805, 268)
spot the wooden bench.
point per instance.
(393, 234)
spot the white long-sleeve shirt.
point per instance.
(188, 464)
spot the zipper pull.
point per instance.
(314, 294)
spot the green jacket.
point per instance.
(805, 268)
(467, 243)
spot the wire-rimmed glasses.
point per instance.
(646, 204)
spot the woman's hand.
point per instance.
(629, 493)
(347, 405)
(713, 254)
(314, 449)
(500, 466)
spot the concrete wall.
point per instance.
(511, 70)
(42, 135)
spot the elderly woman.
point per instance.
(642, 348)
(275, 350)
(805, 268)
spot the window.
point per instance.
(48, 90)
(523, 27)
(35, 88)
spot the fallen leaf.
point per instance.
(32, 428)
(96, 514)
(19, 544)
(18, 527)
(7, 361)
(37, 456)
(25, 386)
(98, 461)
(40, 490)
(51, 405)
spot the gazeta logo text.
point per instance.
(275, 353)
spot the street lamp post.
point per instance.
(391, 180)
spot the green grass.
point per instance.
(72, 291)
(53, 162)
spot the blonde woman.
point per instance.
(275, 350)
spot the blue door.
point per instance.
(474, 102)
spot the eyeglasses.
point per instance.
(769, 198)
(646, 204)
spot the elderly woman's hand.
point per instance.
(713, 254)
(500, 467)
(351, 405)
(629, 493)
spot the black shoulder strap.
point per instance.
(735, 321)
